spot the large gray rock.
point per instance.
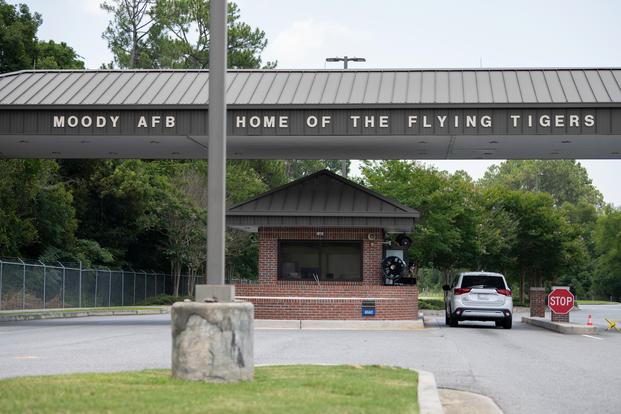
(213, 341)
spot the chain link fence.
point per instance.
(31, 284)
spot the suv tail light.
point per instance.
(461, 291)
(505, 292)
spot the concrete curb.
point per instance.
(560, 327)
(29, 316)
(428, 396)
(341, 325)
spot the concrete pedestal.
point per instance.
(213, 341)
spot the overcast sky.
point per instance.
(403, 34)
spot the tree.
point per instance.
(18, 41)
(128, 32)
(52, 55)
(19, 47)
(36, 211)
(542, 236)
(445, 236)
(181, 31)
(175, 34)
(607, 278)
(565, 180)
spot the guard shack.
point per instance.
(321, 246)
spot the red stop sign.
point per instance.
(560, 301)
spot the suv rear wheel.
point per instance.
(507, 323)
(451, 319)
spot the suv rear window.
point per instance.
(492, 282)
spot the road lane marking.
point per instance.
(593, 337)
(27, 357)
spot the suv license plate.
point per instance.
(483, 297)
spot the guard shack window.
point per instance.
(326, 260)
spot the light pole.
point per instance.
(345, 60)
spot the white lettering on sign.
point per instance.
(153, 121)
(486, 121)
(383, 121)
(425, 123)
(556, 121)
(471, 121)
(325, 121)
(408, 120)
(311, 121)
(255, 122)
(267, 121)
(442, 120)
(101, 121)
(412, 120)
(561, 300)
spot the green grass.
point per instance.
(431, 303)
(595, 302)
(275, 389)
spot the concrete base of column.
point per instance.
(213, 341)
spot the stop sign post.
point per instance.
(560, 301)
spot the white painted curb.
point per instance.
(428, 397)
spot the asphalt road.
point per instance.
(525, 370)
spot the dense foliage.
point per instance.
(538, 222)
(21, 49)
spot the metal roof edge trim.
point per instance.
(487, 105)
(310, 70)
(281, 213)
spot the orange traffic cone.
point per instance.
(589, 321)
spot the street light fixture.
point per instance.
(345, 60)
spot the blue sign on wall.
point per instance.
(368, 311)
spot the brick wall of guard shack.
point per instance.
(284, 299)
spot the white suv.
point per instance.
(478, 296)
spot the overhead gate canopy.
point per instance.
(310, 114)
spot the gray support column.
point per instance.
(217, 142)
(109, 286)
(122, 288)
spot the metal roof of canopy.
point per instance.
(564, 113)
(322, 199)
(253, 88)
